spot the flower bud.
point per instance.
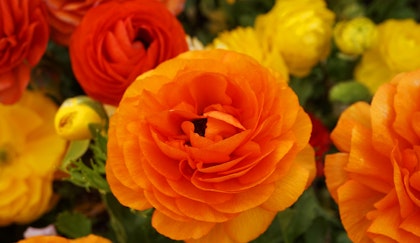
(355, 36)
(74, 116)
(349, 92)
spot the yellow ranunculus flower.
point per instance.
(397, 50)
(355, 36)
(299, 30)
(30, 152)
(246, 41)
(74, 116)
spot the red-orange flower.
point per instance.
(23, 39)
(212, 140)
(118, 40)
(375, 179)
(321, 142)
(65, 15)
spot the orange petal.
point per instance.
(178, 230)
(246, 200)
(371, 168)
(358, 113)
(184, 188)
(387, 223)
(201, 211)
(356, 201)
(291, 186)
(249, 225)
(130, 197)
(335, 174)
(217, 234)
(383, 115)
(406, 102)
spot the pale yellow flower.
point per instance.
(355, 36)
(74, 116)
(299, 30)
(397, 50)
(30, 152)
(246, 41)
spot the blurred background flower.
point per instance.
(245, 40)
(30, 153)
(395, 51)
(300, 31)
(130, 37)
(24, 36)
(355, 36)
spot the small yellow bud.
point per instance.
(74, 116)
(355, 36)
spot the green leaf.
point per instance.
(73, 225)
(349, 92)
(75, 150)
(131, 226)
(92, 176)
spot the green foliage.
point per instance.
(91, 174)
(349, 92)
(131, 226)
(306, 222)
(73, 224)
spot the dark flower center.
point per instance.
(200, 126)
(144, 37)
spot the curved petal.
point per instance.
(178, 230)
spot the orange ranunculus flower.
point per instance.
(30, 152)
(212, 140)
(375, 177)
(118, 40)
(23, 39)
(58, 239)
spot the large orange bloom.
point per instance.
(23, 39)
(118, 40)
(215, 142)
(375, 179)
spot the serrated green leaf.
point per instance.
(89, 177)
(73, 225)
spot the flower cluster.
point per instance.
(209, 121)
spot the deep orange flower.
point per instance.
(23, 39)
(375, 177)
(65, 15)
(215, 142)
(58, 239)
(118, 40)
